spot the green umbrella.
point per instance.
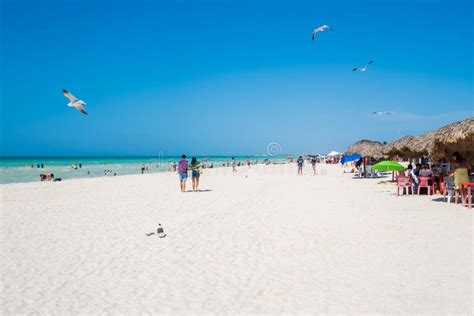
(388, 165)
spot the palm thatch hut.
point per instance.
(437, 144)
(367, 148)
(422, 145)
(412, 146)
(455, 137)
(400, 147)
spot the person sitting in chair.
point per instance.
(414, 175)
(425, 171)
(461, 170)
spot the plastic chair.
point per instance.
(449, 190)
(441, 185)
(424, 182)
(370, 172)
(357, 172)
(404, 183)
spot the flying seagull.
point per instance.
(75, 102)
(364, 68)
(322, 28)
(381, 113)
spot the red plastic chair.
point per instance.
(441, 184)
(404, 183)
(424, 182)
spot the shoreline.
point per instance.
(24, 173)
(168, 172)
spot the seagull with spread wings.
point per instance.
(320, 29)
(75, 102)
(381, 113)
(364, 68)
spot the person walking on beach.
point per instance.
(300, 162)
(234, 165)
(195, 173)
(183, 172)
(313, 164)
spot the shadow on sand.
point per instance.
(447, 201)
(377, 177)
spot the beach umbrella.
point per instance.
(348, 158)
(388, 165)
(334, 153)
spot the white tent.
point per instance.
(334, 153)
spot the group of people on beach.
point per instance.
(459, 173)
(184, 167)
(300, 163)
(195, 167)
(48, 177)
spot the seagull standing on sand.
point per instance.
(322, 28)
(75, 102)
(381, 113)
(364, 68)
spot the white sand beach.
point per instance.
(262, 240)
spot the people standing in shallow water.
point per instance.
(183, 173)
(300, 162)
(47, 177)
(195, 173)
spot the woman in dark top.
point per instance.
(300, 162)
(195, 173)
(313, 164)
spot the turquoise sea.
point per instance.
(25, 169)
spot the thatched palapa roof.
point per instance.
(423, 145)
(400, 147)
(367, 148)
(412, 147)
(458, 136)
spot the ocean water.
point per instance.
(25, 169)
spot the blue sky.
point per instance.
(228, 77)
